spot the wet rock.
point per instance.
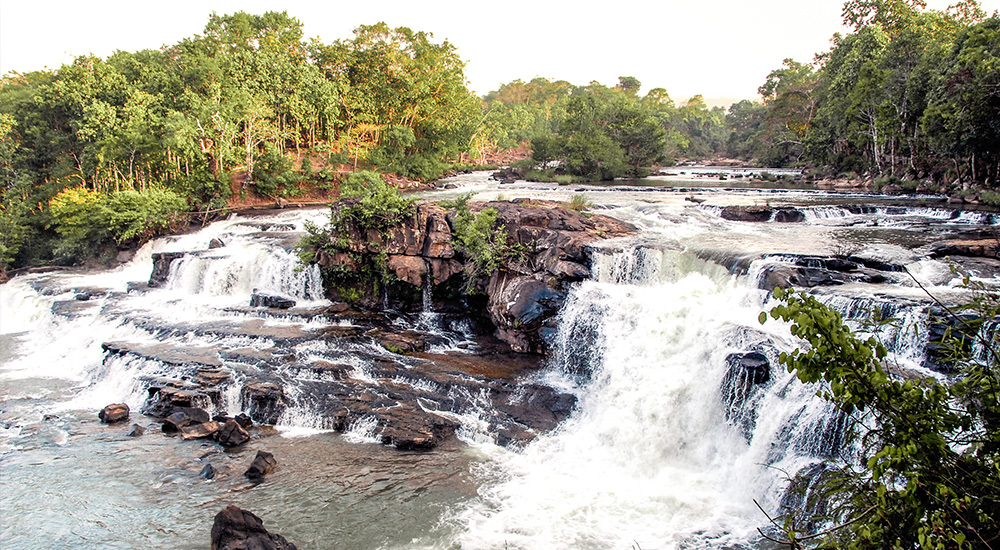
(211, 376)
(979, 248)
(788, 215)
(165, 396)
(182, 417)
(263, 401)
(216, 243)
(260, 299)
(747, 213)
(137, 431)
(754, 366)
(244, 421)
(202, 430)
(116, 412)
(232, 434)
(404, 342)
(518, 305)
(236, 529)
(410, 429)
(262, 465)
(161, 267)
(208, 472)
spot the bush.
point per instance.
(80, 217)
(143, 214)
(483, 240)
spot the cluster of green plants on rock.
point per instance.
(483, 240)
(928, 474)
(367, 202)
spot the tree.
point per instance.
(927, 476)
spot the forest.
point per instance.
(103, 154)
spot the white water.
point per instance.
(649, 457)
(652, 457)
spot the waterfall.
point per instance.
(654, 455)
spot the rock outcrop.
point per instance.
(237, 529)
(520, 297)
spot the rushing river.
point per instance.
(655, 455)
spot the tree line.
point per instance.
(251, 108)
(911, 94)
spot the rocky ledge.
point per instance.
(519, 299)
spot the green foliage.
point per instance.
(579, 203)
(141, 215)
(927, 476)
(375, 204)
(273, 175)
(483, 240)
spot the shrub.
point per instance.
(143, 214)
(483, 240)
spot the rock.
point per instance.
(208, 472)
(244, 421)
(788, 215)
(262, 464)
(232, 434)
(137, 431)
(182, 417)
(404, 342)
(161, 267)
(754, 366)
(236, 529)
(116, 412)
(410, 269)
(259, 299)
(747, 213)
(981, 248)
(201, 430)
(263, 401)
(216, 243)
(518, 305)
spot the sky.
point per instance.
(722, 49)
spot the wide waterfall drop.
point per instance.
(649, 457)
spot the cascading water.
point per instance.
(649, 456)
(673, 437)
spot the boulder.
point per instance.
(232, 434)
(136, 431)
(262, 465)
(216, 243)
(747, 213)
(260, 299)
(244, 421)
(201, 430)
(977, 248)
(116, 412)
(236, 529)
(182, 417)
(788, 215)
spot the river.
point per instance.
(657, 454)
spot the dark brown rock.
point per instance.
(116, 412)
(232, 434)
(261, 299)
(201, 430)
(136, 431)
(262, 465)
(263, 401)
(981, 248)
(236, 529)
(183, 417)
(747, 213)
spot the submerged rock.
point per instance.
(136, 431)
(262, 465)
(747, 213)
(116, 412)
(208, 472)
(237, 529)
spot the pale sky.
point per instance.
(718, 48)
